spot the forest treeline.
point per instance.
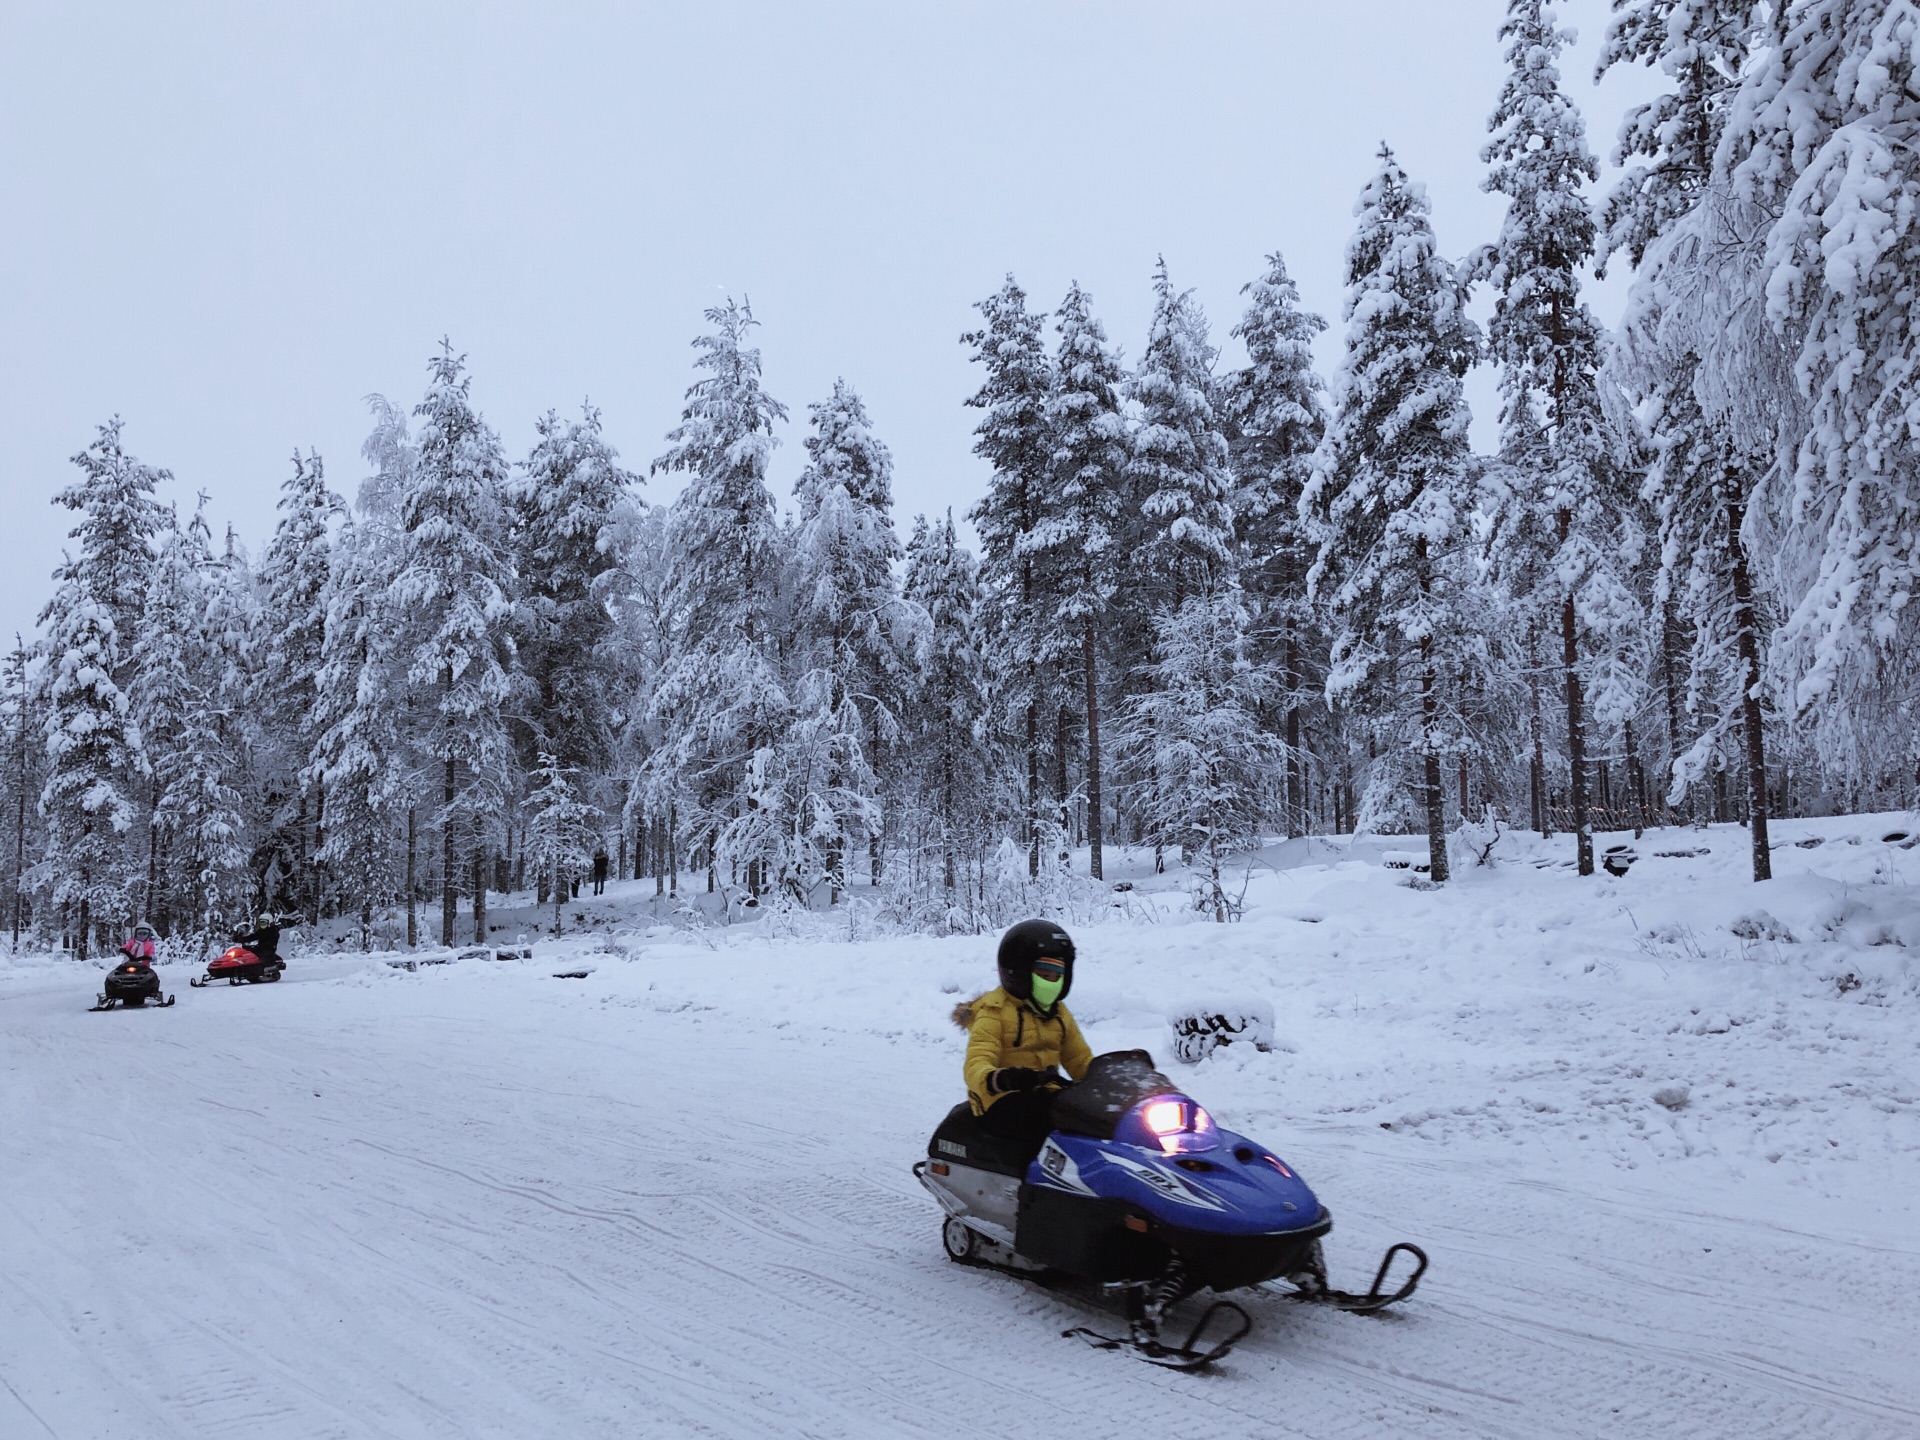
(1210, 603)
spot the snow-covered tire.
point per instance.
(958, 1241)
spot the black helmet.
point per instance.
(1027, 942)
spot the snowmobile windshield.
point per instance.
(1113, 1085)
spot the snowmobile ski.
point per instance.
(1311, 1284)
(108, 1002)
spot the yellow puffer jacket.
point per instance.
(1004, 1031)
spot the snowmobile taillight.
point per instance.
(940, 1167)
(1137, 1224)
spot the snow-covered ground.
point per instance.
(1660, 1134)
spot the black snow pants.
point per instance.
(1025, 1118)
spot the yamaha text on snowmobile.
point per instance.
(1139, 1191)
(238, 964)
(133, 984)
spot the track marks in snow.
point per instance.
(545, 1217)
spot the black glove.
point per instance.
(1018, 1077)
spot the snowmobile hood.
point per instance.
(1235, 1187)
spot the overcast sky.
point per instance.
(230, 223)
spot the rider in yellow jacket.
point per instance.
(1021, 1035)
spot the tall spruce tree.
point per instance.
(294, 574)
(1391, 495)
(361, 756)
(1276, 413)
(94, 755)
(1014, 437)
(1179, 466)
(950, 715)
(564, 504)
(453, 584)
(852, 646)
(1548, 347)
(1077, 536)
(722, 700)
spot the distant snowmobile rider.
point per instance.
(1019, 1034)
(264, 938)
(141, 944)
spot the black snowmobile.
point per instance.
(133, 984)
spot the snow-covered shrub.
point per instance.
(1199, 1030)
(1759, 925)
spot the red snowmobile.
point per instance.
(253, 958)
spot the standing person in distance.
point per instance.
(1021, 1035)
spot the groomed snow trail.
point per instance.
(479, 1201)
(411, 1210)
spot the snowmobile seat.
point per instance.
(961, 1140)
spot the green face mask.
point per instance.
(1045, 992)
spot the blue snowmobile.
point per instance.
(1139, 1191)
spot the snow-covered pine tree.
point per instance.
(1821, 141)
(950, 709)
(1076, 539)
(1390, 497)
(1014, 437)
(184, 691)
(1196, 730)
(1667, 145)
(1559, 536)
(643, 645)
(293, 623)
(19, 727)
(561, 829)
(564, 503)
(452, 584)
(94, 756)
(361, 756)
(722, 700)
(1276, 412)
(852, 643)
(1181, 544)
(1179, 463)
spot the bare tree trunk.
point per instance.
(1537, 768)
(1033, 776)
(479, 891)
(1062, 725)
(1430, 739)
(1636, 785)
(1747, 634)
(1096, 820)
(1672, 686)
(1576, 734)
(413, 914)
(20, 824)
(449, 876)
(1296, 762)
(947, 876)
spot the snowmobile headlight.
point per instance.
(1165, 1117)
